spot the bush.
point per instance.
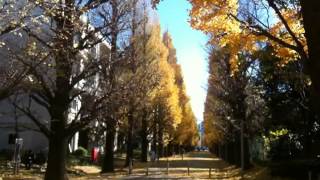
(6, 154)
(73, 160)
(80, 152)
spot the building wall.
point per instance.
(27, 130)
(32, 140)
(13, 121)
(10, 117)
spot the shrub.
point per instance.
(80, 152)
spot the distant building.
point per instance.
(201, 133)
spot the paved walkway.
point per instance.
(195, 165)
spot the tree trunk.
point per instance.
(160, 141)
(129, 155)
(237, 151)
(242, 145)
(307, 145)
(108, 160)
(58, 146)
(219, 154)
(231, 156)
(226, 155)
(84, 138)
(247, 163)
(311, 13)
(58, 140)
(222, 151)
(307, 135)
(154, 138)
(144, 140)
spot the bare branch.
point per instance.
(43, 128)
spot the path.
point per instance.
(199, 164)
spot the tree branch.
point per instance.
(286, 25)
(43, 128)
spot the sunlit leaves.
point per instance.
(167, 92)
(230, 23)
(186, 132)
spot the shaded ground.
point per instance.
(195, 165)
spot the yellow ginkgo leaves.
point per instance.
(246, 29)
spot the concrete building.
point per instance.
(14, 123)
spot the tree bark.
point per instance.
(237, 151)
(154, 143)
(144, 140)
(311, 13)
(108, 160)
(58, 146)
(160, 140)
(154, 138)
(59, 103)
(58, 140)
(129, 155)
(232, 155)
(84, 138)
(247, 163)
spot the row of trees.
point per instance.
(264, 79)
(55, 61)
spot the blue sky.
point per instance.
(190, 45)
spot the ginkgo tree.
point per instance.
(235, 108)
(186, 133)
(165, 99)
(289, 26)
(51, 44)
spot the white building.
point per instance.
(14, 122)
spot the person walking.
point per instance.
(29, 159)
